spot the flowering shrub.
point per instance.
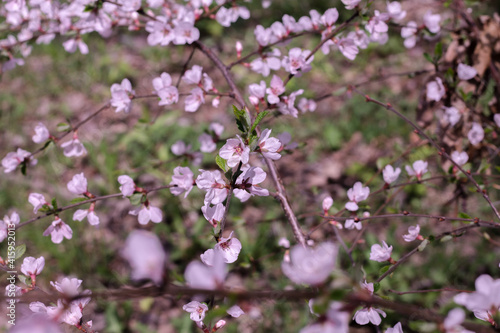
(300, 215)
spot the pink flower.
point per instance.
(257, 92)
(396, 329)
(348, 48)
(306, 105)
(72, 44)
(193, 75)
(247, 184)
(193, 102)
(380, 253)
(268, 61)
(91, 216)
(121, 96)
(350, 224)
(213, 214)
(185, 33)
(296, 62)
(496, 118)
(395, 12)
(58, 230)
(369, 315)
(269, 146)
(235, 311)
(8, 223)
(212, 182)
(13, 159)
(485, 298)
(287, 106)
(128, 185)
(199, 275)
(78, 184)
(160, 31)
(466, 72)
(41, 133)
(390, 174)
(413, 233)
(235, 151)
(229, 248)
(148, 213)
(276, 88)
(32, 266)
(418, 169)
(431, 21)
(180, 148)
(409, 34)
(356, 194)
(37, 200)
(163, 87)
(377, 23)
(146, 256)
(435, 90)
(327, 204)
(476, 134)
(183, 178)
(207, 144)
(73, 147)
(310, 266)
(459, 157)
(350, 4)
(196, 309)
(451, 115)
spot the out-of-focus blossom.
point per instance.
(146, 256)
(380, 253)
(32, 266)
(451, 115)
(432, 21)
(148, 213)
(418, 169)
(356, 194)
(183, 178)
(73, 147)
(269, 146)
(459, 157)
(196, 310)
(476, 134)
(41, 133)
(413, 233)
(435, 90)
(466, 72)
(128, 185)
(78, 184)
(8, 222)
(121, 96)
(199, 275)
(13, 159)
(390, 174)
(37, 200)
(58, 230)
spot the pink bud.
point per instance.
(221, 323)
(239, 48)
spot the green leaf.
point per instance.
(376, 287)
(446, 238)
(63, 127)
(22, 278)
(242, 119)
(45, 209)
(222, 163)
(20, 249)
(423, 245)
(258, 119)
(77, 200)
(135, 199)
(438, 51)
(428, 57)
(464, 215)
(54, 203)
(384, 269)
(23, 168)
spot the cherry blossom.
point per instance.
(310, 266)
(476, 134)
(185, 33)
(269, 61)
(213, 214)
(32, 267)
(41, 133)
(235, 311)
(264, 36)
(128, 185)
(465, 72)
(451, 115)
(296, 63)
(8, 223)
(435, 90)
(207, 144)
(380, 253)
(196, 309)
(286, 139)
(269, 147)
(413, 233)
(287, 105)
(37, 322)
(409, 34)
(121, 96)
(356, 194)
(369, 315)
(418, 169)
(73, 147)
(377, 22)
(199, 275)
(347, 47)
(183, 178)
(432, 21)
(485, 301)
(496, 118)
(395, 12)
(337, 321)
(214, 185)
(193, 75)
(306, 105)
(76, 43)
(275, 89)
(193, 102)
(147, 213)
(91, 216)
(351, 4)
(350, 224)
(167, 93)
(327, 204)
(146, 256)
(160, 31)
(37, 200)
(78, 184)
(390, 174)
(235, 151)
(58, 230)
(453, 320)
(13, 159)
(246, 184)
(283, 242)
(257, 92)
(229, 248)
(459, 157)
(396, 329)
